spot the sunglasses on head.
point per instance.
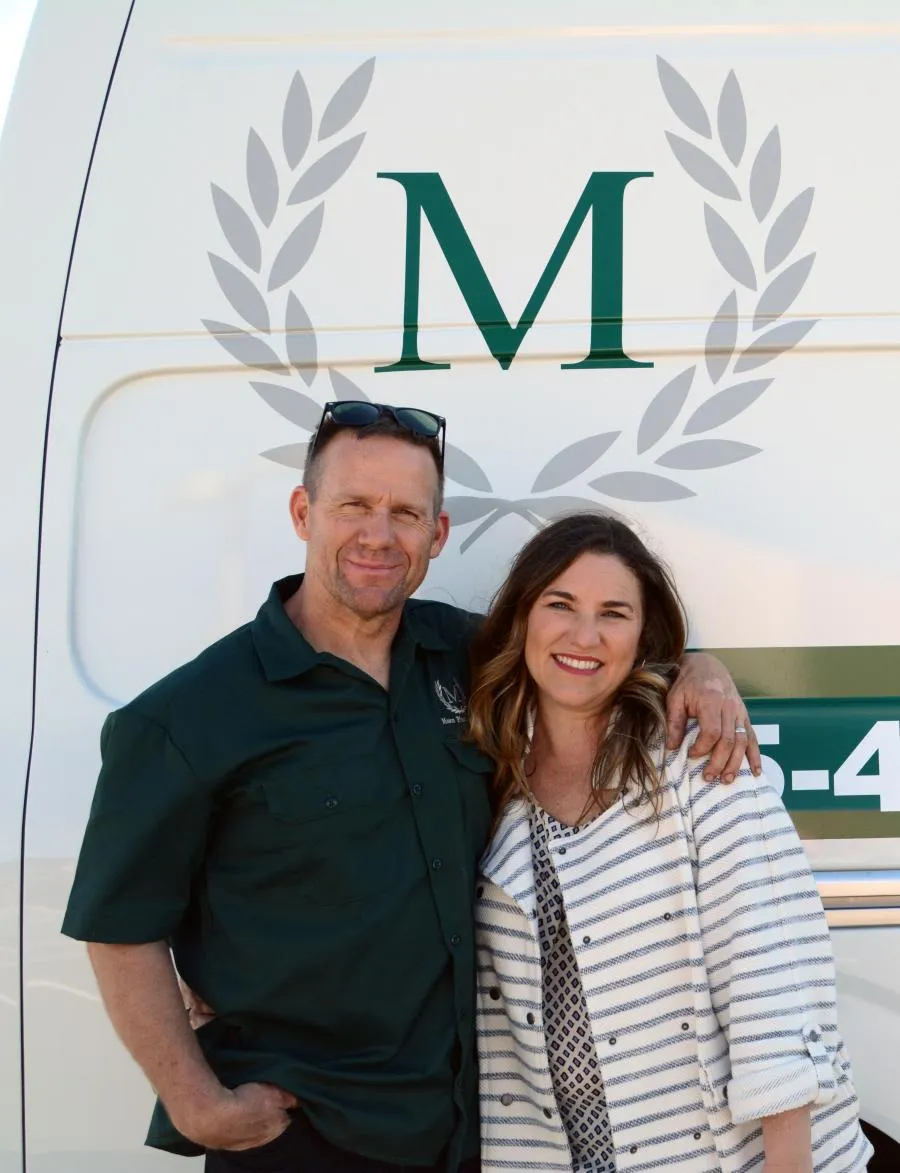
(358, 413)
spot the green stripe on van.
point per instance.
(814, 672)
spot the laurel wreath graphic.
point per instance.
(698, 401)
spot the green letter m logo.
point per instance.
(603, 197)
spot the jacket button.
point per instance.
(455, 939)
(506, 1099)
(529, 1018)
(548, 1113)
(494, 993)
(437, 864)
(331, 803)
(416, 789)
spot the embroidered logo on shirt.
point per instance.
(454, 701)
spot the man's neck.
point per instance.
(329, 626)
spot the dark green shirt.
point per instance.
(308, 843)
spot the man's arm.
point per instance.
(141, 995)
(704, 690)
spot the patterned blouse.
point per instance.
(571, 1054)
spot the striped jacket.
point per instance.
(706, 963)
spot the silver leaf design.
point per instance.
(262, 179)
(550, 507)
(296, 124)
(731, 254)
(663, 409)
(296, 407)
(347, 100)
(641, 486)
(345, 388)
(297, 249)
(243, 295)
(291, 455)
(460, 467)
(702, 168)
(706, 454)
(238, 228)
(573, 460)
(502, 510)
(683, 99)
(765, 175)
(463, 510)
(774, 342)
(325, 171)
(725, 405)
(300, 340)
(732, 120)
(248, 349)
(781, 294)
(721, 338)
(785, 232)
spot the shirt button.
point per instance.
(633, 1149)
(548, 1113)
(685, 1026)
(529, 1018)
(494, 993)
(667, 916)
(331, 803)
(697, 1136)
(585, 940)
(612, 1041)
(416, 789)
(437, 864)
(562, 851)
(813, 1036)
(455, 939)
(506, 1099)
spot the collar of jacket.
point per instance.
(508, 861)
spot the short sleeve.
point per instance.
(145, 837)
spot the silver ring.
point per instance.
(740, 729)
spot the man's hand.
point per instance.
(704, 689)
(246, 1118)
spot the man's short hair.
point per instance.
(385, 425)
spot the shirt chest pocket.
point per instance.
(474, 771)
(328, 833)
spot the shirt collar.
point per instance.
(284, 652)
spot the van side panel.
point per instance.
(46, 145)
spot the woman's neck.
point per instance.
(560, 764)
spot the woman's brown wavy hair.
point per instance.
(503, 693)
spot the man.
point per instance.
(296, 813)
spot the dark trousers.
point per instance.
(302, 1150)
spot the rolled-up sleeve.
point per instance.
(144, 840)
(766, 946)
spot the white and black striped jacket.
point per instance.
(706, 963)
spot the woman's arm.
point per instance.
(766, 948)
(788, 1142)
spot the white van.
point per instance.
(643, 256)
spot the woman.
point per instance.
(656, 987)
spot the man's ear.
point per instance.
(299, 507)
(441, 533)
